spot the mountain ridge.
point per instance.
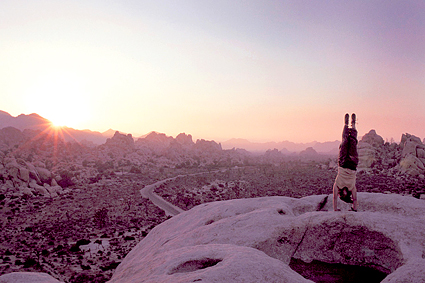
(36, 122)
(329, 147)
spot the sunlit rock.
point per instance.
(373, 138)
(367, 149)
(367, 155)
(412, 156)
(27, 277)
(385, 234)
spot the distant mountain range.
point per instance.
(36, 122)
(286, 147)
(22, 122)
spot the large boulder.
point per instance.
(411, 165)
(24, 174)
(412, 271)
(254, 240)
(40, 190)
(54, 191)
(44, 174)
(12, 167)
(32, 172)
(26, 191)
(367, 149)
(409, 138)
(367, 155)
(27, 277)
(373, 139)
(412, 156)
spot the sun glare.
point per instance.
(60, 98)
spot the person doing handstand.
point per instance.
(345, 182)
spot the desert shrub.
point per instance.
(111, 266)
(95, 179)
(135, 170)
(102, 167)
(83, 242)
(101, 217)
(29, 262)
(66, 179)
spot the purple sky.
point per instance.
(260, 70)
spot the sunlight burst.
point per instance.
(60, 98)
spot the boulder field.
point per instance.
(265, 239)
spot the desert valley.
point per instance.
(71, 207)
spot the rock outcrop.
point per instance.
(24, 178)
(412, 156)
(308, 152)
(208, 146)
(254, 240)
(406, 158)
(368, 149)
(121, 141)
(185, 140)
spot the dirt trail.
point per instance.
(170, 209)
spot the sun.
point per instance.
(60, 98)
(59, 122)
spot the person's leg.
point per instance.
(345, 129)
(352, 149)
(344, 147)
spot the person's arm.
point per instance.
(335, 198)
(355, 204)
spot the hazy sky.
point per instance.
(260, 70)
